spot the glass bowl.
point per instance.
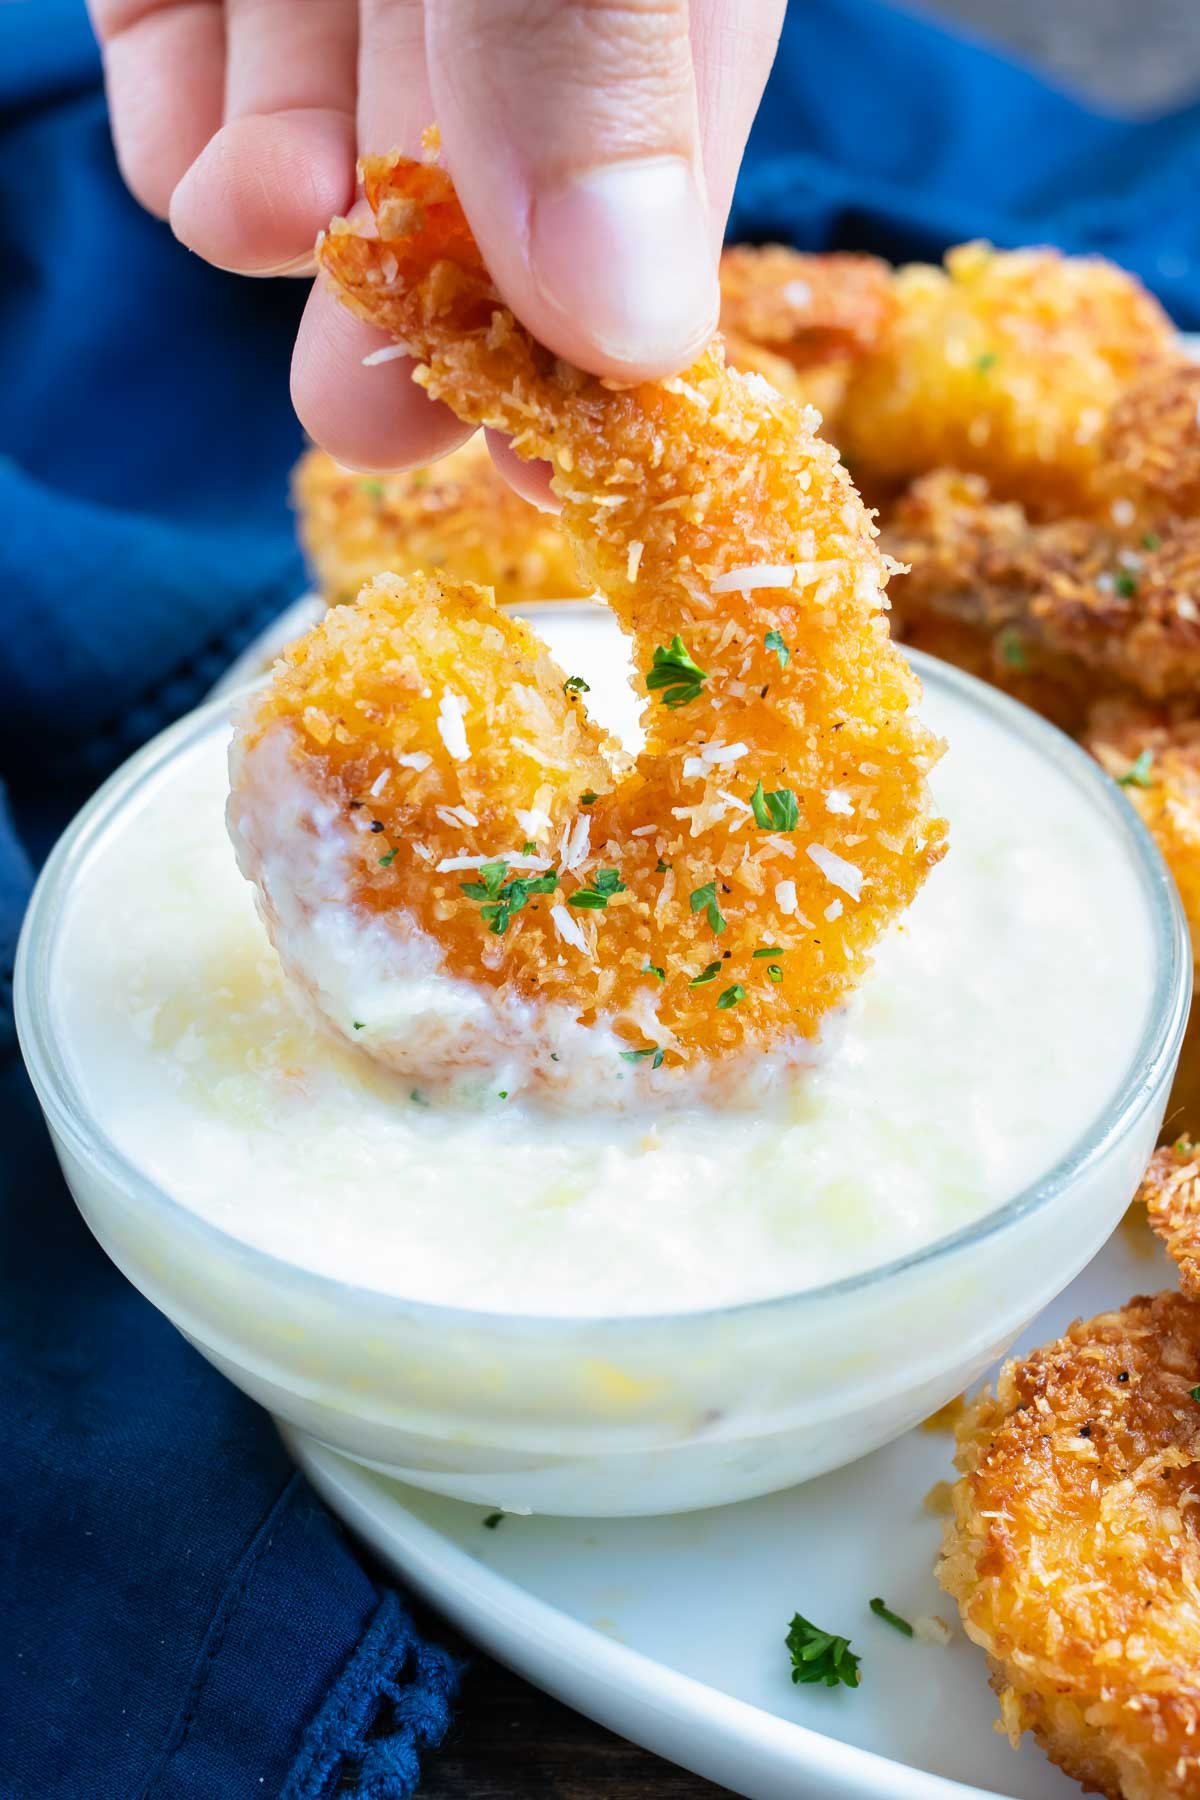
(628, 1414)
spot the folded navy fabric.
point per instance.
(182, 1620)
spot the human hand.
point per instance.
(594, 145)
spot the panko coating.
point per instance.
(727, 892)
(798, 320)
(1073, 1552)
(802, 320)
(458, 515)
(1005, 364)
(1091, 607)
(1171, 1192)
(1156, 758)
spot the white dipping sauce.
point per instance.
(996, 1025)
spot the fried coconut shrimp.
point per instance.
(1156, 758)
(1074, 1550)
(803, 321)
(1074, 609)
(1171, 1191)
(1005, 364)
(458, 515)
(451, 854)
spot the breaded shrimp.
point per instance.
(458, 515)
(1074, 1550)
(1006, 364)
(803, 321)
(1097, 608)
(1156, 758)
(725, 894)
(798, 320)
(1171, 1192)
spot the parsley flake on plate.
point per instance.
(820, 1656)
(883, 1611)
(777, 811)
(603, 885)
(704, 899)
(492, 1520)
(674, 671)
(773, 641)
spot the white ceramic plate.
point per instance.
(670, 1631)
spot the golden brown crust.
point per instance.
(1006, 364)
(1156, 757)
(1171, 1192)
(1073, 1550)
(457, 515)
(1095, 605)
(811, 309)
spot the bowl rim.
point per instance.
(1144, 1077)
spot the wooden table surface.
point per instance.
(511, 1742)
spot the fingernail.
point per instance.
(624, 253)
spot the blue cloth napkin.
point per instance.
(182, 1620)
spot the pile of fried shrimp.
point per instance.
(720, 893)
(1028, 429)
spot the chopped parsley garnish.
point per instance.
(651, 1050)
(730, 997)
(1194, 1393)
(385, 862)
(653, 969)
(675, 673)
(774, 972)
(704, 899)
(774, 642)
(820, 1656)
(987, 361)
(1138, 772)
(492, 1520)
(529, 848)
(502, 1094)
(588, 797)
(501, 898)
(372, 489)
(575, 684)
(604, 884)
(777, 811)
(1151, 541)
(706, 975)
(1013, 650)
(661, 867)
(360, 1024)
(1126, 584)
(417, 1097)
(882, 1610)
(771, 950)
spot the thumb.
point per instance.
(571, 130)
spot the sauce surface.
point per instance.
(997, 1023)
